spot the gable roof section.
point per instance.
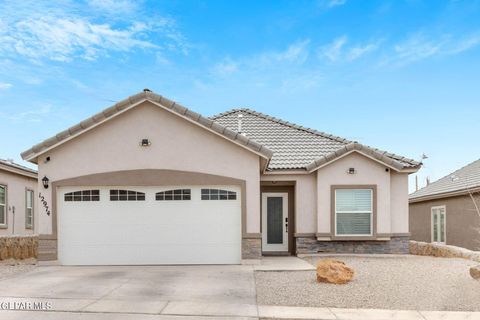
(455, 183)
(132, 101)
(297, 147)
(13, 167)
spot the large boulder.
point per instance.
(333, 271)
(475, 272)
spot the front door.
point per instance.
(275, 222)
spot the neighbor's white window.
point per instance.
(3, 206)
(29, 209)
(439, 220)
(353, 212)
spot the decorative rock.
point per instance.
(475, 272)
(333, 271)
(18, 247)
(442, 250)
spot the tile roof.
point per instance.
(459, 181)
(297, 147)
(147, 95)
(8, 164)
(284, 144)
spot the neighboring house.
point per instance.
(18, 189)
(148, 181)
(446, 210)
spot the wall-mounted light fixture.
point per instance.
(145, 143)
(45, 182)
(351, 171)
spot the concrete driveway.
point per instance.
(106, 292)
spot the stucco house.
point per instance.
(446, 210)
(148, 181)
(18, 191)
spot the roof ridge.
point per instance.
(285, 123)
(445, 176)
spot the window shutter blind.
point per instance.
(354, 199)
(353, 211)
(353, 223)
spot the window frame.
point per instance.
(32, 208)
(127, 193)
(79, 196)
(5, 205)
(373, 214)
(184, 194)
(432, 209)
(217, 193)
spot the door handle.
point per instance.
(286, 225)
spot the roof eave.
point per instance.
(442, 195)
(19, 171)
(380, 157)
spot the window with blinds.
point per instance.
(353, 212)
(28, 209)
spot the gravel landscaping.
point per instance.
(384, 282)
(9, 269)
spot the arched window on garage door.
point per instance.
(83, 195)
(126, 195)
(217, 194)
(177, 194)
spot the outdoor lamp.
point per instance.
(45, 182)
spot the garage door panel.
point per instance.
(149, 254)
(150, 231)
(141, 235)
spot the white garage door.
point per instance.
(149, 225)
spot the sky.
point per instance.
(399, 75)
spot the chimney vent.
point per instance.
(240, 116)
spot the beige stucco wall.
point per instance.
(175, 145)
(313, 192)
(399, 202)
(305, 199)
(368, 172)
(16, 188)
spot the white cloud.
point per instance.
(333, 51)
(359, 51)
(296, 53)
(464, 44)
(66, 38)
(64, 35)
(335, 3)
(338, 50)
(5, 85)
(419, 47)
(226, 67)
